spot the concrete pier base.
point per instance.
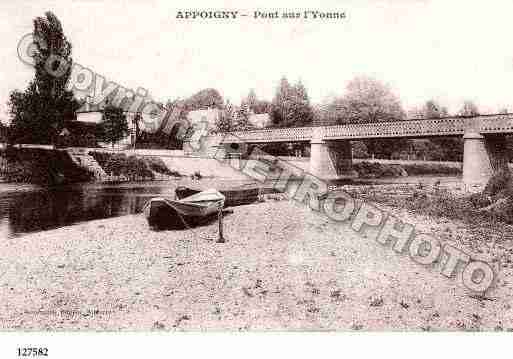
(331, 160)
(482, 157)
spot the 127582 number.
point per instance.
(32, 352)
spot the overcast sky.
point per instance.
(446, 50)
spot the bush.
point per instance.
(418, 169)
(133, 167)
(499, 185)
(157, 165)
(497, 197)
(137, 168)
(376, 170)
(36, 165)
(119, 164)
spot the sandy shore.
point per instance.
(283, 267)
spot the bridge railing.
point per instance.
(272, 135)
(496, 124)
(502, 123)
(410, 128)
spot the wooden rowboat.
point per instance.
(233, 196)
(163, 213)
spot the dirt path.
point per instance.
(283, 267)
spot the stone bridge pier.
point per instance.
(331, 160)
(483, 155)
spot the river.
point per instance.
(30, 208)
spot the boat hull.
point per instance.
(196, 210)
(234, 197)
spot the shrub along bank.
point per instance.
(491, 206)
(41, 166)
(377, 170)
(132, 167)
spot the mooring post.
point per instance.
(220, 218)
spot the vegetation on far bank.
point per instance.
(40, 166)
(366, 169)
(53, 167)
(487, 213)
(132, 167)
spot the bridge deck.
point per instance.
(448, 126)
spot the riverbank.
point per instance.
(41, 166)
(283, 267)
(49, 166)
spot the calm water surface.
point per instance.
(29, 208)
(26, 208)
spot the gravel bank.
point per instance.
(283, 268)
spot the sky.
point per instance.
(450, 51)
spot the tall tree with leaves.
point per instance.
(40, 112)
(225, 121)
(291, 105)
(366, 101)
(302, 111)
(281, 102)
(114, 125)
(241, 122)
(252, 100)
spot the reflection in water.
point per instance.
(33, 208)
(42, 209)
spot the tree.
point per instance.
(40, 112)
(302, 111)
(225, 121)
(291, 105)
(262, 106)
(114, 126)
(204, 99)
(241, 122)
(469, 109)
(251, 100)
(281, 102)
(368, 100)
(325, 113)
